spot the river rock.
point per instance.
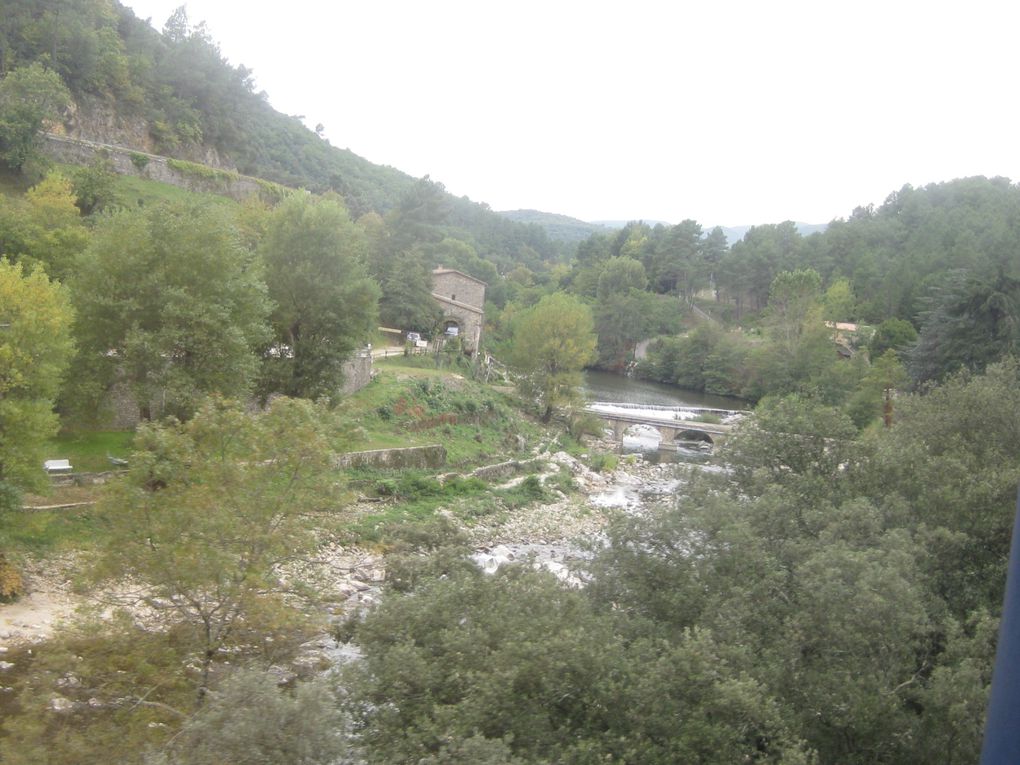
(60, 704)
(69, 681)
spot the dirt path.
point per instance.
(34, 617)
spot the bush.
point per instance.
(586, 424)
(11, 583)
(604, 462)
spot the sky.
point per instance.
(725, 112)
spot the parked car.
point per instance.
(413, 337)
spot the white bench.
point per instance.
(57, 466)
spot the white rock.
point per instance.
(60, 704)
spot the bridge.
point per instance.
(674, 423)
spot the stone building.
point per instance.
(462, 298)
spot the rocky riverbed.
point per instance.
(349, 578)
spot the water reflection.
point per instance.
(606, 386)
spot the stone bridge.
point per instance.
(674, 423)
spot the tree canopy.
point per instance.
(552, 342)
(170, 303)
(35, 348)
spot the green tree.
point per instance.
(248, 718)
(443, 675)
(839, 303)
(892, 334)
(799, 347)
(54, 233)
(35, 347)
(619, 276)
(208, 512)
(970, 323)
(28, 97)
(325, 303)
(552, 342)
(168, 301)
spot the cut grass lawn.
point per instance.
(89, 451)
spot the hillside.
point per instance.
(173, 94)
(560, 228)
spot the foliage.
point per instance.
(169, 302)
(29, 96)
(124, 687)
(443, 673)
(44, 227)
(892, 334)
(707, 359)
(210, 509)
(35, 347)
(969, 323)
(325, 305)
(552, 343)
(94, 185)
(11, 583)
(250, 719)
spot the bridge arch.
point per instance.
(694, 435)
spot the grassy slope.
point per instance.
(405, 405)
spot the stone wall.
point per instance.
(462, 299)
(458, 287)
(192, 177)
(357, 372)
(433, 456)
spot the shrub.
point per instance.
(11, 583)
(604, 462)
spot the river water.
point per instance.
(607, 386)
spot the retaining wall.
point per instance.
(433, 456)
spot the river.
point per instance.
(610, 387)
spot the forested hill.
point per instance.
(173, 94)
(561, 228)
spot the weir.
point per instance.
(670, 421)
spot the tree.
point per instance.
(28, 97)
(54, 232)
(552, 342)
(326, 305)
(969, 324)
(250, 719)
(169, 302)
(839, 303)
(208, 512)
(35, 347)
(892, 334)
(518, 668)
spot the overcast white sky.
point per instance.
(725, 112)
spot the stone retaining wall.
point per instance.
(433, 456)
(155, 168)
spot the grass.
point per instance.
(412, 405)
(88, 451)
(409, 496)
(50, 531)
